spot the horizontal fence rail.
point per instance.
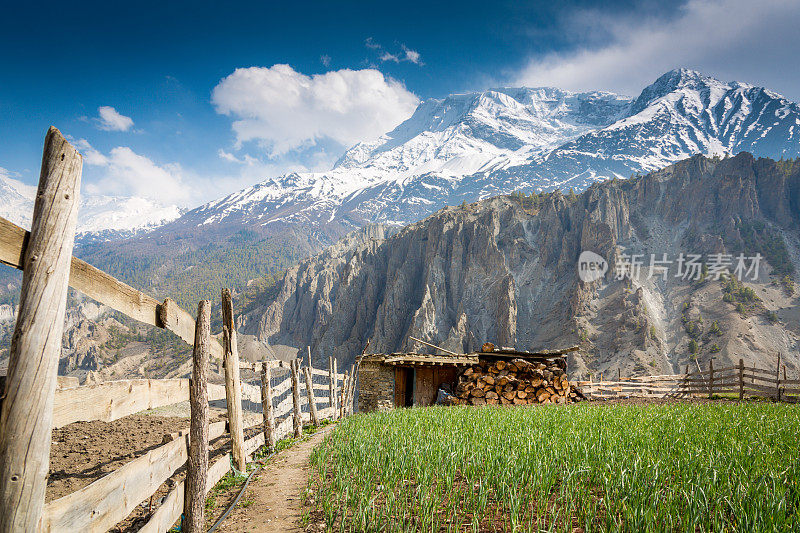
(738, 380)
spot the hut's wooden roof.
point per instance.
(415, 359)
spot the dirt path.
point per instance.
(273, 501)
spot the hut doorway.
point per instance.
(403, 386)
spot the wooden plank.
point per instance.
(197, 464)
(759, 388)
(102, 504)
(217, 471)
(284, 407)
(761, 378)
(215, 430)
(113, 400)
(171, 509)
(26, 420)
(251, 393)
(715, 370)
(107, 290)
(282, 387)
(755, 370)
(253, 443)
(319, 372)
(233, 384)
(284, 429)
(168, 512)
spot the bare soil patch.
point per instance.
(84, 452)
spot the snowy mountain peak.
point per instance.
(466, 133)
(469, 146)
(99, 217)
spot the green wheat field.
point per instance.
(677, 467)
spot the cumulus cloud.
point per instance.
(731, 39)
(111, 120)
(126, 173)
(286, 110)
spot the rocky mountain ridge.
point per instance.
(505, 270)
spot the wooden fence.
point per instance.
(737, 381)
(33, 406)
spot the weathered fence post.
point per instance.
(266, 406)
(296, 414)
(233, 385)
(335, 389)
(331, 388)
(778, 379)
(351, 397)
(312, 402)
(197, 466)
(27, 414)
(741, 379)
(710, 378)
(343, 397)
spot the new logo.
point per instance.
(591, 266)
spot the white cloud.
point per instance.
(412, 55)
(126, 173)
(731, 39)
(286, 110)
(325, 59)
(403, 54)
(111, 120)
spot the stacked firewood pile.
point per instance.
(515, 382)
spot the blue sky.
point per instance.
(151, 94)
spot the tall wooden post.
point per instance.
(741, 379)
(343, 398)
(266, 406)
(778, 379)
(27, 413)
(332, 388)
(351, 397)
(312, 401)
(710, 378)
(336, 402)
(619, 374)
(233, 385)
(197, 467)
(309, 357)
(296, 413)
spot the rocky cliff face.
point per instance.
(506, 270)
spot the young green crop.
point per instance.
(682, 467)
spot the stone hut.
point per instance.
(492, 376)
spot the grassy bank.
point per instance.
(683, 467)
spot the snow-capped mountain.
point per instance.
(100, 218)
(16, 200)
(471, 146)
